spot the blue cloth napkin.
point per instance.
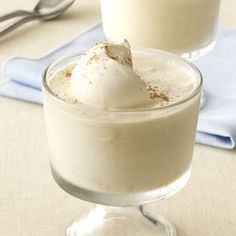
(217, 120)
(25, 75)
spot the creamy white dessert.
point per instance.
(104, 78)
(178, 26)
(122, 123)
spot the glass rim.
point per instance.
(88, 108)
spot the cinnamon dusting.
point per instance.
(95, 57)
(156, 94)
(68, 74)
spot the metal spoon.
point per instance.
(44, 10)
(43, 7)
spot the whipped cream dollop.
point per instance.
(104, 78)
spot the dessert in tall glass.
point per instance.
(184, 27)
(121, 125)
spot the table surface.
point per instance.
(32, 204)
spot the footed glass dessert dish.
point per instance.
(123, 158)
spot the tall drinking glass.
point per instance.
(184, 27)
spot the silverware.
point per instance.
(44, 10)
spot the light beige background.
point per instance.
(32, 204)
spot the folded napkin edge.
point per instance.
(220, 141)
(3, 65)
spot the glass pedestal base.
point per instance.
(193, 55)
(128, 199)
(122, 221)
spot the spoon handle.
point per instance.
(15, 14)
(16, 24)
